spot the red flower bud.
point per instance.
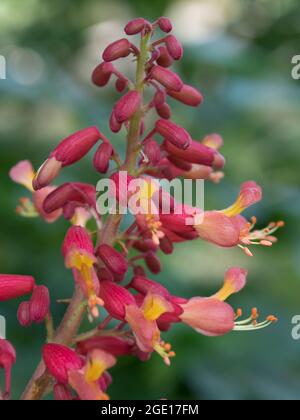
(102, 157)
(152, 152)
(114, 125)
(59, 360)
(75, 192)
(39, 304)
(144, 286)
(118, 49)
(164, 111)
(167, 78)
(159, 98)
(14, 286)
(121, 84)
(174, 47)
(23, 314)
(77, 238)
(62, 393)
(69, 151)
(114, 345)
(38, 199)
(102, 74)
(188, 95)
(166, 245)
(113, 260)
(115, 298)
(7, 360)
(127, 106)
(164, 59)
(165, 24)
(153, 263)
(175, 134)
(135, 26)
(180, 164)
(196, 153)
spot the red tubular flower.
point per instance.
(78, 251)
(209, 317)
(102, 74)
(167, 78)
(7, 360)
(75, 192)
(164, 59)
(188, 96)
(196, 153)
(38, 201)
(174, 47)
(113, 259)
(39, 304)
(114, 345)
(219, 229)
(118, 49)
(165, 24)
(91, 381)
(144, 286)
(115, 299)
(102, 157)
(14, 286)
(69, 151)
(235, 280)
(135, 26)
(60, 360)
(176, 135)
(127, 106)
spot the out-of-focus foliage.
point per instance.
(238, 52)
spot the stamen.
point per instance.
(252, 324)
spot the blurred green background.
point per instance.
(238, 52)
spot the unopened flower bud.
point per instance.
(188, 96)
(113, 259)
(116, 346)
(127, 106)
(114, 125)
(167, 78)
(175, 134)
(166, 245)
(102, 157)
(174, 47)
(116, 298)
(153, 263)
(102, 74)
(39, 304)
(23, 314)
(118, 49)
(164, 111)
(121, 84)
(196, 153)
(152, 151)
(59, 360)
(144, 286)
(164, 59)
(69, 151)
(165, 24)
(135, 26)
(14, 286)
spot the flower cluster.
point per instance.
(110, 265)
